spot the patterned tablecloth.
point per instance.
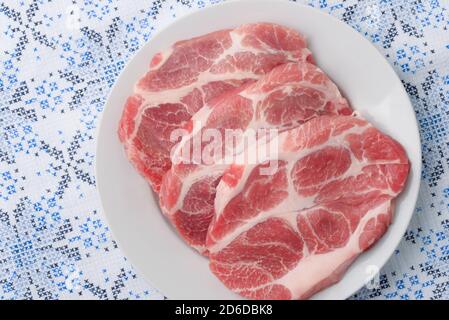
(58, 61)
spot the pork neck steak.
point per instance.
(293, 232)
(186, 76)
(284, 98)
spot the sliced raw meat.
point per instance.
(185, 77)
(328, 197)
(288, 96)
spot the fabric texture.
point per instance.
(58, 61)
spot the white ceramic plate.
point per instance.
(352, 62)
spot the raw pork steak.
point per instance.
(284, 98)
(290, 234)
(185, 77)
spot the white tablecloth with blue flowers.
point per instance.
(58, 61)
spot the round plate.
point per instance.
(363, 76)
